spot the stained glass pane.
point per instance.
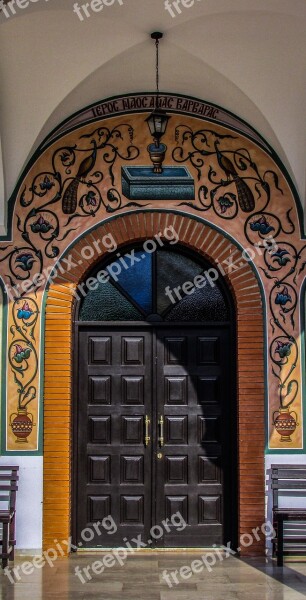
(106, 303)
(206, 304)
(173, 270)
(134, 274)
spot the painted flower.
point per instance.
(280, 257)
(41, 225)
(25, 312)
(65, 158)
(91, 199)
(25, 261)
(262, 226)
(21, 353)
(47, 184)
(224, 203)
(283, 297)
(283, 349)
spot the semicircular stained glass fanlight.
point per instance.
(143, 286)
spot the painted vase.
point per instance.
(285, 424)
(157, 156)
(21, 425)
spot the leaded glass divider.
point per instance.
(143, 286)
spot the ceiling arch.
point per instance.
(249, 58)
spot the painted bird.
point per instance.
(70, 196)
(245, 195)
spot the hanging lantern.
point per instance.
(158, 119)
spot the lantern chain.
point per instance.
(157, 71)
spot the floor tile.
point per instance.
(143, 577)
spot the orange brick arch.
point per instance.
(58, 373)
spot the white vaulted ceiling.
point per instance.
(247, 56)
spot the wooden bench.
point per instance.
(8, 488)
(288, 478)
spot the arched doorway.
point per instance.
(155, 428)
(59, 395)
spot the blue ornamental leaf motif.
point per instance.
(25, 312)
(225, 203)
(283, 349)
(280, 257)
(46, 184)
(65, 158)
(262, 226)
(283, 297)
(21, 353)
(25, 261)
(41, 226)
(91, 199)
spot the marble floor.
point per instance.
(154, 576)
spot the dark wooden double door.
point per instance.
(155, 435)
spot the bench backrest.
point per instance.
(8, 487)
(286, 478)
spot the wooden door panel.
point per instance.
(114, 467)
(193, 376)
(208, 350)
(99, 350)
(131, 469)
(176, 390)
(190, 387)
(132, 390)
(176, 470)
(99, 390)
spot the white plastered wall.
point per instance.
(29, 500)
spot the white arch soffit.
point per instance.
(33, 126)
(281, 98)
(195, 82)
(221, 12)
(207, 8)
(195, 79)
(3, 204)
(150, 14)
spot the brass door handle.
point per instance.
(147, 436)
(161, 431)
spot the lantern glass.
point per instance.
(157, 122)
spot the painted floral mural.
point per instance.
(74, 182)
